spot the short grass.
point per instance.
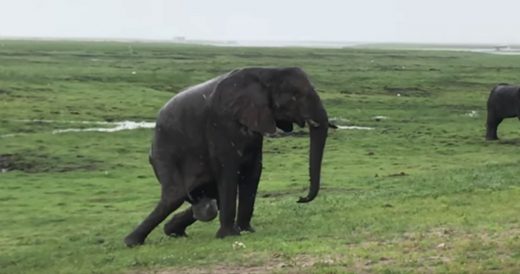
(421, 192)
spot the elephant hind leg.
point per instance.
(176, 227)
(165, 206)
(171, 199)
(492, 126)
(204, 209)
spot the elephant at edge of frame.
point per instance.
(503, 102)
(207, 145)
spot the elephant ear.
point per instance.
(247, 100)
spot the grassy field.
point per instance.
(421, 192)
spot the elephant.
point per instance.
(503, 102)
(207, 146)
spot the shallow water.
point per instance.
(472, 114)
(108, 126)
(116, 126)
(355, 127)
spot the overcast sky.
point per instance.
(441, 21)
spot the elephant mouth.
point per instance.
(287, 124)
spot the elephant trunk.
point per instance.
(318, 127)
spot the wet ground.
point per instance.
(34, 163)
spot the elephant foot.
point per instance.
(173, 231)
(228, 231)
(491, 138)
(246, 227)
(179, 234)
(132, 241)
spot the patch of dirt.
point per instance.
(85, 78)
(419, 252)
(34, 163)
(218, 270)
(437, 246)
(398, 174)
(274, 194)
(303, 190)
(297, 264)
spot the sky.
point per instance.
(415, 21)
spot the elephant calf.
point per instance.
(207, 146)
(503, 102)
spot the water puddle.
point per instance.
(379, 118)
(101, 126)
(341, 123)
(115, 126)
(472, 114)
(12, 135)
(108, 127)
(355, 127)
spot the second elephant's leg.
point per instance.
(492, 127)
(247, 189)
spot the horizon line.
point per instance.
(248, 42)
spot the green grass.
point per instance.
(422, 192)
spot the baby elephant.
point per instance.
(503, 102)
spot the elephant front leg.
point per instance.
(227, 191)
(247, 189)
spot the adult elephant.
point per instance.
(208, 143)
(503, 102)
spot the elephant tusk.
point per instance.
(313, 123)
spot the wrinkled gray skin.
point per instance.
(208, 145)
(503, 102)
(205, 210)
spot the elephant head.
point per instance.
(262, 99)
